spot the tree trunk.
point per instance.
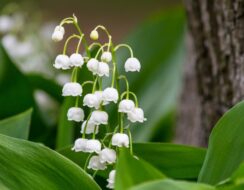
(216, 29)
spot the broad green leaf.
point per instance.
(168, 184)
(2, 187)
(176, 161)
(238, 175)
(235, 181)
(65, 127)
(47, 85)
(27, 165)
(225, 149)
(16, 93)
(17, 96)
(158, 44)
(17, 126)
(131, 171)
(77, 157)
(231, 187)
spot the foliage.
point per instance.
(47, 167)
(17, 126)
(224, 153)
(29, 165)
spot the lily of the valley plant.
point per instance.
(103, 151)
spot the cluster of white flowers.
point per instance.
(64, 62)
(102, 152)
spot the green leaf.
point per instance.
(17, 126)
(17, 96)
(65, 131)
(168, 184)
(16, 92)
(47, 85)
(225, 150)
(236, 179)
(159, 45)
(131, 171)
(238, 175)
(27, 165)
(232, 187)
(176, 161)
(77, 157)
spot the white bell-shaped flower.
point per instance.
(132, 64)
(99, 117)
(76, 60)
(57, 36)
(62, 62)
(58, 33)
(95, 164)
(94, 35)
(91, 101)
(80, 145)
(102, 69)
(136, 115)
(111, 179)
(93, 145)
(72, 89)
(92, 65)
(89, 128)
(107, 155)
(99, 95)
(110, 95)
(106, 56)
(120, 140)
(75, 114)
(126, 106)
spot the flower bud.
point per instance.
(110, 95)
(136, 115)
(58, 33)
(99, 117)
(120, 140)
(91, 101)
(107, 155)
(89, 128)
(94, 35)
(111, 179)
(102, 69)
(126, 106)
(60, 28)
(95, 164)
(75, 114)
(76, 60)
(106, 56)
(92, 65)
(132, 64)
(62, 62)
(93, 145)
(72, 89)
(80, 145)
(57, 36)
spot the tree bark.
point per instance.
(216, 29)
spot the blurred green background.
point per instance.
(155, 30)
